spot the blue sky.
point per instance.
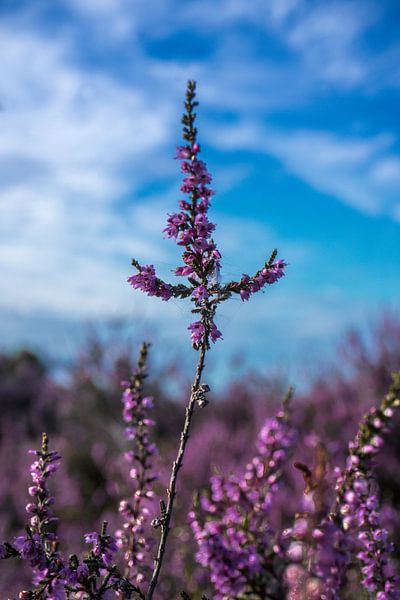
(299, 124)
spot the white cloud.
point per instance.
(362, 172)
(324, 38)
(68, 136)
(114, 19)
(327, 38)
(227, 12)
(334, 165)
(71, 120)
(387, 171)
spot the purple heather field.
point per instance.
(83, 418)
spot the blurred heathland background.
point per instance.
(299, 125)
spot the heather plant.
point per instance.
(248, 559)
(232, 524)
(134, 538)
(54, 577)
(326, 541)
(257, 536)
(192, 229)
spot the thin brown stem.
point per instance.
(176, 465)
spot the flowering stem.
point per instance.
(176, 465)
(357, 504)
(192, 229)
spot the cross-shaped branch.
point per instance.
(192, 230)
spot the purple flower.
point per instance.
(185, 237)
(244, 294)
(147, 281)
(183, 271)
(103, 546)
(203, 226)
(92, 538)
(200, 293)
(32, 549)
(267, 275)
(276, 272)
(175, 222)
(184, 152)
(232, 524)
(82, 573)
(197, 331)
(215, 334)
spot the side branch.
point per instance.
(148, 282)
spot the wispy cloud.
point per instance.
(339, 166)
(114, 19)
(362, 172)
(324, 45)
(336, 29)
(68, 136)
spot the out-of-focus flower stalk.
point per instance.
(232, 527)
(134, 538)
(357, 502)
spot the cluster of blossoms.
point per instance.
(231, 524)
(39, 545)
(134, 537)
(147, 281)
(267, 275)
(362, 506)
(55, 578)
(103, 546)
(309, 561)
(358, 504)
(192, 229)
(323, 545)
